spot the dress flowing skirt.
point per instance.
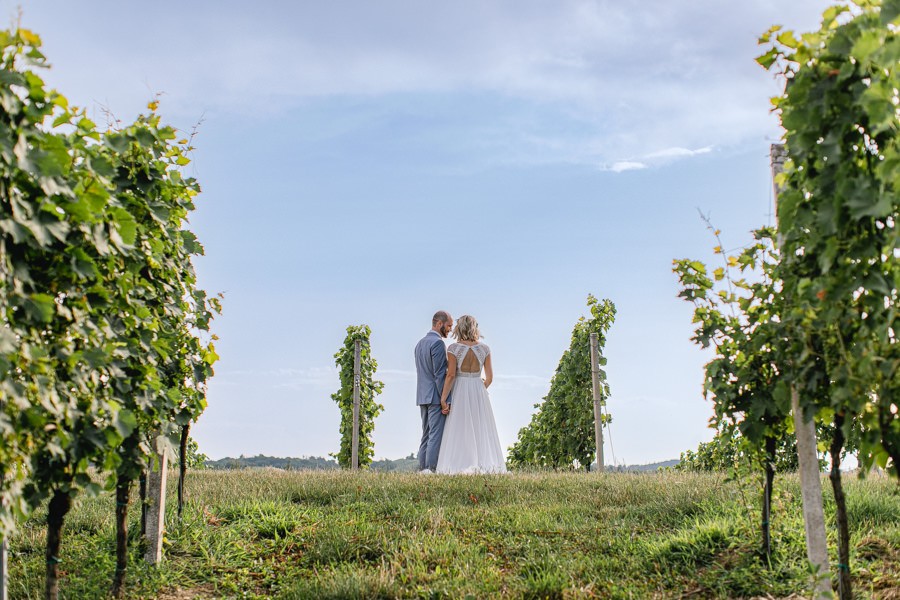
(470, 443)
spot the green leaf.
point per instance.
(765, 37)
(190, 243)
(86, 124)
(125, 422)
(866, 44)
(51, 157)
(58, 229)
(102, 166)
(865, 202)
(145, 137)
(124, 231)
(117, 142)
(96, 197)
(11, 78)
(40, 307)
(766, 60)
(890, 12)
(786, 38)
(8, 342)
(83, 264)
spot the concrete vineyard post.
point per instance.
(354, 450)
(156, 507)
(810, 482)
(595, 379)
(3, 569)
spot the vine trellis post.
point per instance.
(354, 449)
(3, 569)
(156, 506)
(595, 384)
(810, 483)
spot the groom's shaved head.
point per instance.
(441, 316)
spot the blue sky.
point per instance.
(374, 162)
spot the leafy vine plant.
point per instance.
(105, 344)
(837, 230)
(737, 312)
(561, 432)
(823, 322)
(369, 388)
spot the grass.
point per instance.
(261, 534)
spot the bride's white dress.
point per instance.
(470, 443)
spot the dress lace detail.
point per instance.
(458, 350)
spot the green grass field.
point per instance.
(260, 534)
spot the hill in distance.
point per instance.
(402, 465)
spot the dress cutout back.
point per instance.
(469, 359)
(470, 363)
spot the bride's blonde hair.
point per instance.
(467, 329)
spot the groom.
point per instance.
(431, 369)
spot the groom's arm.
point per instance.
(439, 361)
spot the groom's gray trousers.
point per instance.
(432, 431)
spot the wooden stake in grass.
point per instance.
(56, 514)
(123, 491)
(845, 585)
(142, 492)
(595, 382)
(182, 465)
(354, 450)
(3, 572)
(810, 484)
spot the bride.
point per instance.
(470, 443)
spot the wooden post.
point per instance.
(807, 455)
(3, 570)
(4, 567)
(595, 379)
(156, 507)
(354, 451)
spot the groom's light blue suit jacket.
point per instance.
(431, 369)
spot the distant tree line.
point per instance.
(307, 463)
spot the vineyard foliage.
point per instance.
(561, 432)
(813, 304)
(838, 220)
(104, 347)
(736, 309)
(730, 452)
(809, 310)
(369, 388)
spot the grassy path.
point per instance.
(260, 534)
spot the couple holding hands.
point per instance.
(459, 434)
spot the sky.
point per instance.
(373, 162)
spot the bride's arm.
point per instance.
(448, 382)
(488, 371)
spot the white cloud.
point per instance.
(657, 157)
(677, 153)
(626, 166)
(622, 78)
